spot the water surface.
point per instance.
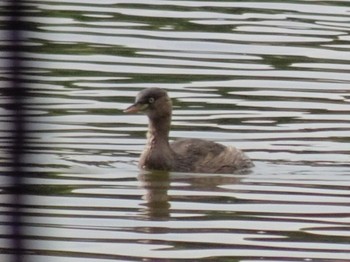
(271, 78)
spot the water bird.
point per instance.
(183, 155)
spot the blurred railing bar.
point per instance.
(17, 94)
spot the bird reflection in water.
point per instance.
(157, 205)
(156, 198)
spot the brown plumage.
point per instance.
(183, 155)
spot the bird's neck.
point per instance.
(158, 131)
(157, 154)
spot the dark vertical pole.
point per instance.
(17, 94)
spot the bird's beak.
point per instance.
(137, 107)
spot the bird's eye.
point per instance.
(151, 100)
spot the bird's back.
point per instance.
(202, 156)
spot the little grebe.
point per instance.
(183, 155)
